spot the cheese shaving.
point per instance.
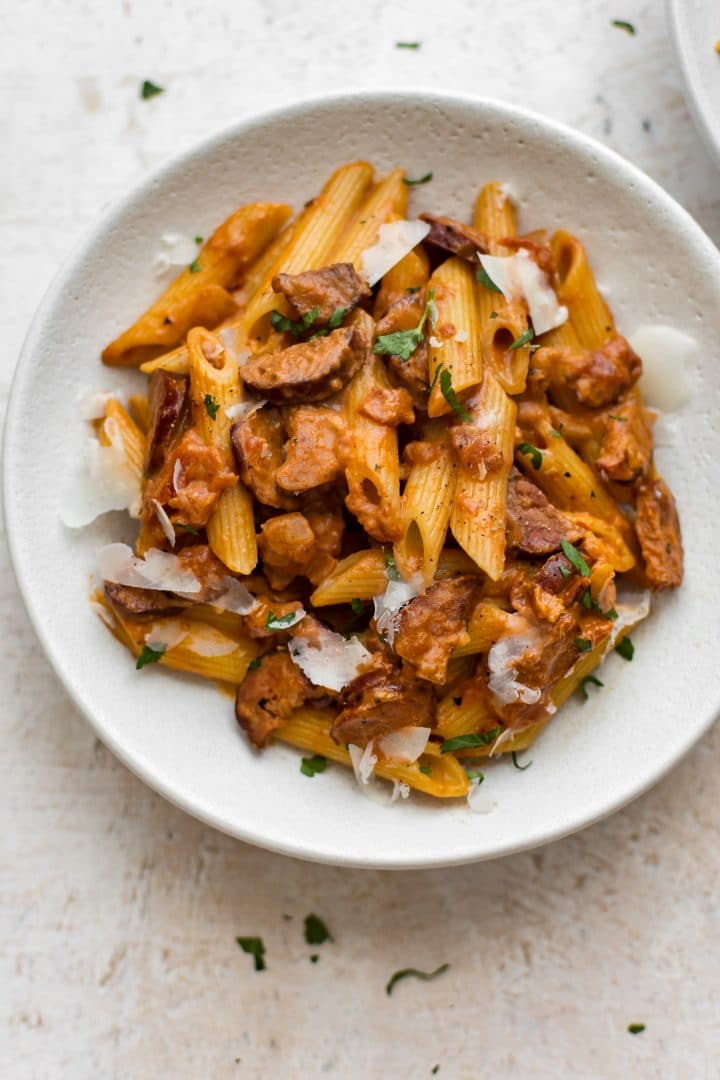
(479, 799)
(363, 762)
(92, 405)
(166, 632)
(206, 640)
(177, 250)
(395, 240)
(242, 409)
(389, 604)
(102, 479)
(158, 570)
(520, 278)
(400, 790)
(236, 598)
(328, 660)
(164, 521)
(406, 744)
(667, 355)
(177, 470)
(502, 657)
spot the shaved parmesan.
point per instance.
(92, 405)
(177, 250)
(436, 342)
(461, 336)
(158, 570)
(389, 604)
(667, 356)
(405, 745)
(242, 409)
(206, 640)
(363, 762)
(236, 598)
(394, 241)
(167, 632)
(165, 523)
(502, 658)
(177, 470)
(400, 791)
(520, 278)
(102, 480)
(328, 660)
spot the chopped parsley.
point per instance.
(413, 289)
(565, 572)
(407, 44)
(623, 24)
(404, 973)
(403, 343)
(438, 369)
(254, 947)
(316, 932)
(199, 239)
(278, 622)
(211, 406)
(592, 605)
(284, 325)
(314, 957)
(484, 278)
(255, 663)
(357, 606)
(588, 681)
(336, 318)
(310, 766)
(188, 528)
(391, 567)
(533, 453)
(614, 416)
(625, 648)
(475, 774)
(493, 315)
(522, 768)
(582, 644)
(446, 389)
(149, 654)
(557, 434)
(195, 267)
(457, 701)
(635, 1029)
(468, 742)
(424, 179)
(572, 554)
(435, 1070)
(425, 769)
(524, 339)
(150, 89)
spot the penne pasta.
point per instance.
(426, 506)
(454, 345)
(589, 315)
(386, 201)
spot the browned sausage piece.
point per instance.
(381, 701)
(327, 289)
(269, 695)
(135, 603)
(258, 441)
(312, 454)
(626, 450)
(167, 398)
(308, 371)
(454, 236)
(434, 624)
(534, 525)
(658, 531)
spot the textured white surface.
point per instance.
(119, 912)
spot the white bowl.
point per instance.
(695, 28)
(179, 734)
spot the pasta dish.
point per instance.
(393, 476)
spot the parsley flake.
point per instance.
(425, 769)
(589, 680)
(625, 648)
(424, 179)
(435, 1070)
(493, 315)
(446, 389)
(475, 774)
(336, 318)
(623, 24)
(438, 369)
(279, 622)
(195, 267)
(407, 44)
(522, 768)
(614, 416)
(572, 554)
(188, 528)
(468, 742)
(310, 766)
(254, 947)
(484, 278)
(426, 976)
(149, 654)
(357, 605)
(150, 89)
(391, 567)
(211, 406)
(524, 339)
(583, 644)
(284, 325)
(403, 343)
(532, 452)
(199, 239)
(635, 1029)
(255, 663)
(316, 932)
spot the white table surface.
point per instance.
(119, 913)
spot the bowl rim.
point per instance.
(675, 14)
(251, 832)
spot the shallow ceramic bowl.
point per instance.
(694, 27)
(179, 734)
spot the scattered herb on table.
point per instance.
(623, 24)
(405, 973)
(407, 44)
(635, 1029)
(424, 179)
(150, 89)
(254, 947)
(589, 680)
(316, 932)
